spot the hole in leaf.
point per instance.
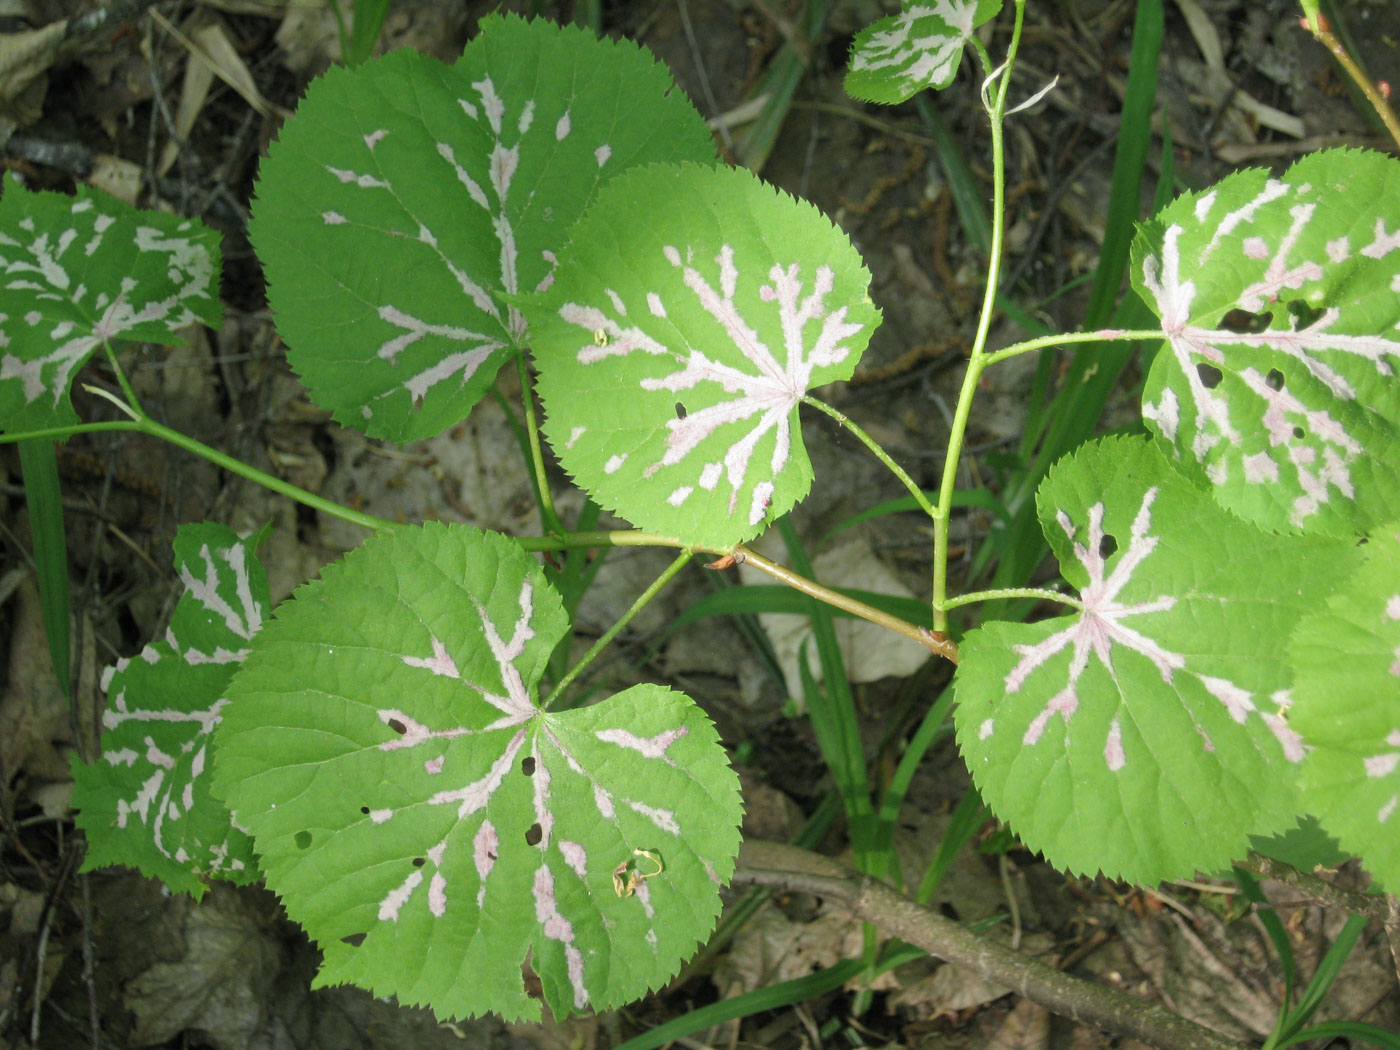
(302, 839)
(1298, 434)
(397, 726)
(1304, 314)
(1245, 322)
(527, 766)
(354, 939)
(364, 810)
(1274, 380)
(418, 862)
(1210, 375)
(680, 410)
(533, 836)
(1108, 546)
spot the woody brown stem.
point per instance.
(1090, 1003)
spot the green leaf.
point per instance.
(897, 57)
(694, 309)
(407, 196)
(1347, 708)
(1277, 297)
(1145, 736)
(431, 826)
(83, 271)
(145, 802)
(1307, 845)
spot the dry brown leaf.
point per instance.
(211, 45)
(948, 990)
(222, 984)
(194, 91)
(34, 724)
(25, 58)
(117, 176)
(870, 652)
(1026, 1027)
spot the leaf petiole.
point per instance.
(878, 452)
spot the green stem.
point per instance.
(605, 538)
(878, 452)
(982, 55)
(260, 477)
(63, 433)
(998, 593)
(149, 427)
(612, 632)
(944, 647)
(132, 401)
(1103, 335)
(978, 358)
(547, 511)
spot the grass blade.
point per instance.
(1273, 926)
(832, 709)
(773, 997)
(778, 86)
(924, 737)
(754, 599)
(1321, 982)
(1353, 1030)
(967, 818)
(39, 463)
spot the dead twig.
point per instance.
(1103, 1007)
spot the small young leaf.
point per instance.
(1144, 737)
(1278, 300)
(406, 196)
(693, 310)
(82, 271)
(1347, 708)
(897, 57)
(432, 827)
(146, 802)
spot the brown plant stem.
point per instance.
(1322, 33)
(1320, 891)
(937, 642)
(1090, 1003)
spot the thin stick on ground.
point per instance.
(1089, 1003)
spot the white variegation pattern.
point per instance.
(1100, 628)
(415, 227)
(478, 819)
(1281, 388)
(163, 706)
(1143, 733)
(918, 48)
(80, 273)
(750, 402)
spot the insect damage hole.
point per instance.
(680, 410)
(1209, 375)
(527, 766)
(533, 836)
(1108, 546)
(1244, 322)
(1274, 380)
(1304, 314)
